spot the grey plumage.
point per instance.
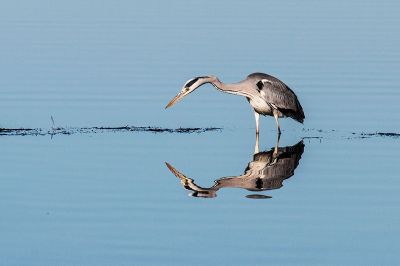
(278, 95)
(266, 94)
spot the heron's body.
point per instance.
(265, 93)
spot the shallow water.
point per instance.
(106, 197)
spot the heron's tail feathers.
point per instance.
(297, 115)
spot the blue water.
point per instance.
(109, 199)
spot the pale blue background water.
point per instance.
(108, 199)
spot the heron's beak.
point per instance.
(176, 99)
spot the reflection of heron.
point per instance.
(266, 171)
(266, 94)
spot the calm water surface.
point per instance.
(110, 199)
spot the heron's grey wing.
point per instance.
(280, 166)
(279, 96)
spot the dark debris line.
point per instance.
(380, 134)
(96, 130)
(20, 132)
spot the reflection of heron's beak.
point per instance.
(189, 184)
(179, 175)
(176, 99)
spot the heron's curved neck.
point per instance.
(232, 88)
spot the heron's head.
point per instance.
(189, 87)
(189, 184)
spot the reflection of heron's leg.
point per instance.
(257, 146)
(277, 144)
(257, 117)
(277, 122)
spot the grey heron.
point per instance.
(266, 94)
(266, 171)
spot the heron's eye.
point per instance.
(186, 89)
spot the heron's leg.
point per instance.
(277, 122)
(257, 146)
(257, 117)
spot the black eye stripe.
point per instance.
(190, 83)
(193, 81)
